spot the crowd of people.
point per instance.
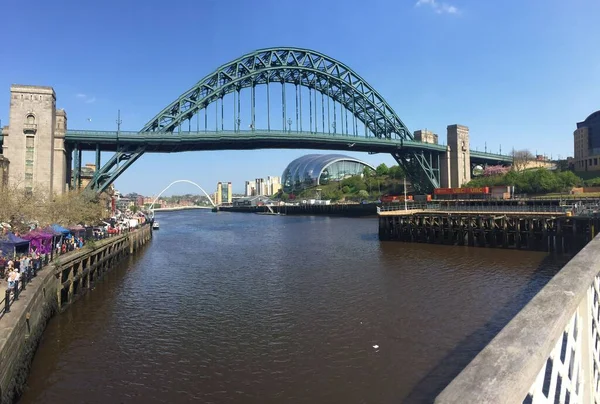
(14, 267)
(12, 270)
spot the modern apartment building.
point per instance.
(586, 144)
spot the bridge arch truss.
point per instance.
(371, 117)
(300, 67)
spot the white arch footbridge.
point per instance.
(151, 208)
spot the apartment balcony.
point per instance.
(29, 128)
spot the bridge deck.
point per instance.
(258, 139)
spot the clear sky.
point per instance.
(518, 73)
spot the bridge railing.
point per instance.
(549, 352)
(500, 208)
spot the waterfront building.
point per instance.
(263, 186)
(224, 193)
(426, 136)
(87, 173)
(273, 185)
(320, 169)
(249, 188)
(259, 186)
(586, 139)
(247, 201)
(34, 140)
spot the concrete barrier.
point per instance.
(549, 352)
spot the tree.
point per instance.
(355, 183)
(490, 171)
(521, 159)
(382, 170)
(368, 172)
(568, 179)
(363, 194)
(396, 172)
(284, 197)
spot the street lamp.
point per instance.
(289, 121)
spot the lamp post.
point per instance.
(289, 122)
(118, 130)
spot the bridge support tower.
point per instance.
(456, 164)
(34, 141)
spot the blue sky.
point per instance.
(518, 73)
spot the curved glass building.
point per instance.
(319, 169)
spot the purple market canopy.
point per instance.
(38, 234)
(41, 241)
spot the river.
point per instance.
(244, 308)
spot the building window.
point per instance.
(29, 158)
(595, 161)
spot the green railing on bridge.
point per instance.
(169, 138)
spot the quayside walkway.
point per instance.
(549, 352)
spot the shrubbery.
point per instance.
(535, 181)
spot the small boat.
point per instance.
(155, 226)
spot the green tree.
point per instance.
(396, 172)
(284, 197)
(568, 179)
(346, 189)
(368, 172)
(382, 170)
(355, 183)
(363, 194)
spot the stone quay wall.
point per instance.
(50, 292)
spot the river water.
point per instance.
(244, 308)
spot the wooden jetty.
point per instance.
(537, 231)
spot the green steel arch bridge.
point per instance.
(327, 106)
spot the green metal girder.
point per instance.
(274, 65)
(244, 139)
(287, 65)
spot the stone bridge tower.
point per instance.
(34, 141)
(459, 155)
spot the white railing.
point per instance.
(500, 208)
(400, 207)
(549, 352)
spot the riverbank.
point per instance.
(52, 290)
(348, 210)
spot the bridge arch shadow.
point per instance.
(151, 208)
(432, 384)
